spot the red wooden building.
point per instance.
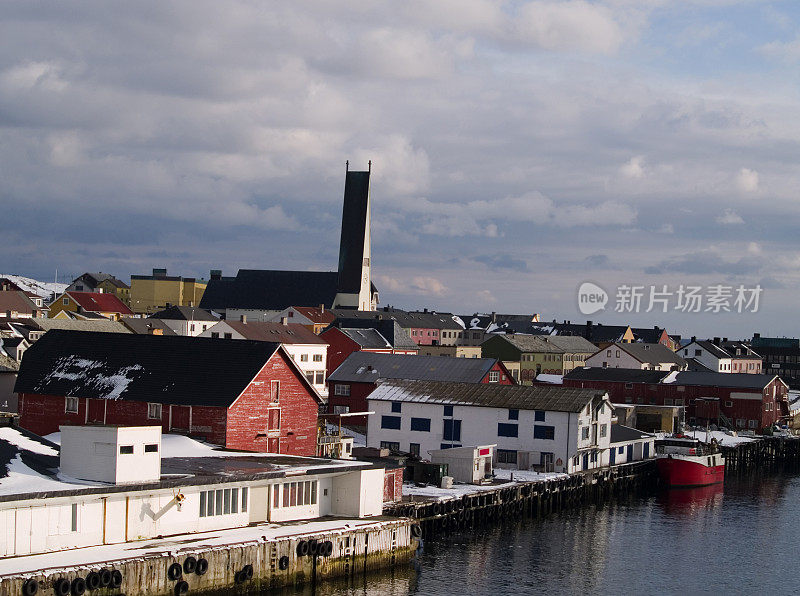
(351, 383)
(246, 395)
(344, 342)
(734, 400)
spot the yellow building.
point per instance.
(120, 289)
(87, 305)
(151, 293)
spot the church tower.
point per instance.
(354, 289)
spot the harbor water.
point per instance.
(737, 538)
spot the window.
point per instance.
(154, 411)
(448, 410)
(396, 406)
(628, 385)
(603, 430)
(413, 449)
(421, 424)
(343, 390)
(74, 518)
(65, 301)
(244, 498)
(309, 376)
(621, 450)
(390, 445)
(319, 377)
(391, 422)
(203, 504)
(317, 357)
(126, 449)
(494, 376)
(152, 448)
(191, 327)
(584, 432)
(667, 401)
(513, 414)
(71, 405)
(698, 352)
(223, 501)
(215, 334)
(452, 430)
(753, 423)
(538, 416)
(540, 431)
(275, 391)
(608, 353)
(506, 456)
(228, 336)
(507, 430)
(303, 357)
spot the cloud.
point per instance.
(704, 263)
(503, 261)
(390, 284)
(666, 229)
(633, 167)
(786, 51)
(729, 217)
(597, 261)
(747, 180)
(485, 297)
(428, 286)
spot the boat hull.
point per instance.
(682, 471)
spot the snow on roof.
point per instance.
(73, 368)
(671, 377)
(40, 288)
(554, 379)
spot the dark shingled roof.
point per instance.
(153, 368)
(709, 379)
(368, 339)
(388, 328)
(270, 331)
(628, 375)
(623, 434)
(423, 368)
(522, 397)
(651, 353)
(184, 313)
(145, 326)
(406, 319)
(260, 289)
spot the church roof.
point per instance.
(266, 289)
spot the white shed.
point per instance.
(466, 464)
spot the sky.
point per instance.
(519, 149)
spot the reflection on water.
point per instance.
(739, 539)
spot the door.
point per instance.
(180, 418)
(96, 411)
(273, 445)
(646, 452)
(630, 452)
(585, 461)
(612, 456)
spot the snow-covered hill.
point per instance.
(40, 288)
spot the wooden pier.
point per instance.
(765, 453)
(530, 499)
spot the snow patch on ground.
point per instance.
(15, 437)
(459, 490)
(722, 437)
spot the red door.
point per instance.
(273, 445)
(180, 418)
(96, 413)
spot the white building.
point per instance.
(547, 428)
(186, 320)
(710, 355)
(308, 351)
(44, 508)
(637, 355)
(629, 445)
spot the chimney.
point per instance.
(243, 319)
(322, 308)
(494, 317)
(716, 341)
(694, 338)
(724, 340)
(191, 303)
(756, 336)
(284, 320)
(216, 274)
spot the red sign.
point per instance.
(484, 451)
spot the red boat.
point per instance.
(686, 462)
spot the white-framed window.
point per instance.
(752, 423)
(319, 377)
(317, 357)
(494, 376)
(74, 517)
(603, 430)
(65, 301)
(223, 501)
(294, 494)
(584, 432)
(309, 376)
(71, 405)
(154, 411)
(340, 389)
(303, 357)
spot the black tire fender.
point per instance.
(247, 572)
(283, 563)
(30, 587)
(175, 571)
(416, 530)
(302, 548)
(181, 587)
(78, 587)
(202, 566)
(189, 565)
(61, 587)
(92, 581)
(107, 578)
